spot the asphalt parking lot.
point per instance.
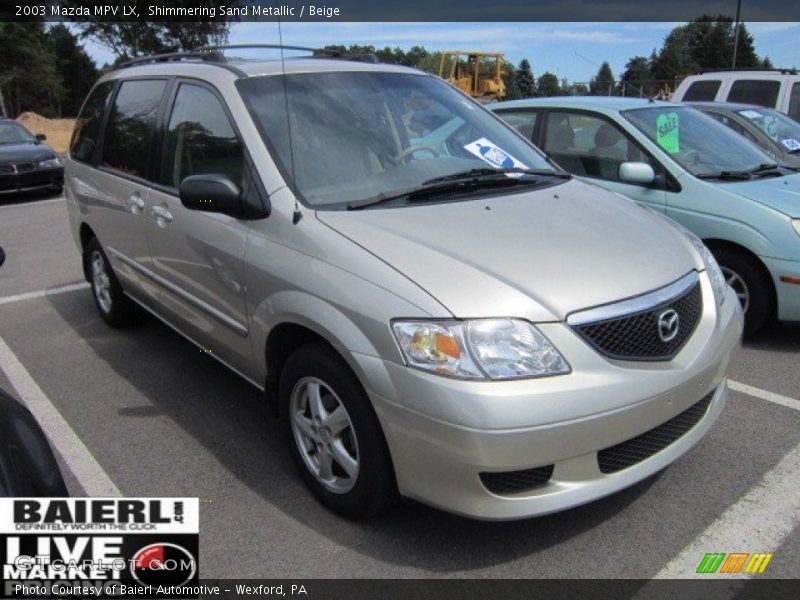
(161, 419)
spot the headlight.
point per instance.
(479, 349)
(50, 163)
(796, 225)
(718, 283)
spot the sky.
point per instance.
(570, 50)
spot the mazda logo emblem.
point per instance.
(668, 325)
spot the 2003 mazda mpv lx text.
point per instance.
(457, 322)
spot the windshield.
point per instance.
(697, 142)
(11, 133)
(780, 128)
(358, 135)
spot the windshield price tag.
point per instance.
(494, 155)
(668, 130)
(791, 144)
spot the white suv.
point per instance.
(779, 89)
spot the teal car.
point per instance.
(682, 163)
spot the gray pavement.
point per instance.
(163, 419)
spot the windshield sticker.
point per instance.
(751, 114)
(493, 154)
(667, 132)
(791, 144)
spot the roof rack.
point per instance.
(200, 54)
(214, 55)
(734, 70)
(315, 52)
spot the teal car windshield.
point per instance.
(697, 142)
(346, 136)
(780, 128)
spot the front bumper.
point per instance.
(788, 293)
(443, 433)
(28, 181)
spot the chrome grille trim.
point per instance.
(634, 305)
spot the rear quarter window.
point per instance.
(794, 102)
(86, 135)
(762, 92)
(131, 126)
(702, 91)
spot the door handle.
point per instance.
(162, 215)
(135, 203)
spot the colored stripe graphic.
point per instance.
(758, 562)
(711, 562)
(734, 562)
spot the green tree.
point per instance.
(525, 83)
(75, 68)
(603, 83)
(510, 81)
(128, 39)
(636, 80)
(547, 85)
(29, 78)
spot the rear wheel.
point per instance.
(334, 436)
(114, 306)
(751, 283)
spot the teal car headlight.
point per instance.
(796, 225)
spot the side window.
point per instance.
(523, 121)
(85, 136)
(755, 91)
(199, 139)
(131, 126)
(590, 146)
(794, 102)
(702, 91)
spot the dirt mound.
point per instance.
(58, 131)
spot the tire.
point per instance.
(750, 280)
(114, 306)
(372, 489)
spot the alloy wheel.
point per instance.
(739, 286)
(324, 434)
(101, 283)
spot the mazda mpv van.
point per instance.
(462, 323)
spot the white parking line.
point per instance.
(743, 388)
(758, 522)
(71, 287)
(90, 475)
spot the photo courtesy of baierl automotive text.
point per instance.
(462, 300)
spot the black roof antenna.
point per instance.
(297, 215)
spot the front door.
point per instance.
(197, 256)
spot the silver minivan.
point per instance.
(455, 321)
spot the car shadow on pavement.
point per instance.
(229, 418)
(775, 337)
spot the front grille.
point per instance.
(26, 167)
(6, 169)
(644, 446)
(636, 336)
(511, 482)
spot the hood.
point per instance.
(540, 254)
(22, 153)
(779, 193)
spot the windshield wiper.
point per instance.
(740, 175)
(433, 188)
(492, 172)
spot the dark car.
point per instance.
(27, 464)
(27, 164)
(772, 130)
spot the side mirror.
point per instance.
(636, 172)
(2, 256)
(211, 193)
(40, 137)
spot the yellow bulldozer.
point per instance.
(479, 74)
